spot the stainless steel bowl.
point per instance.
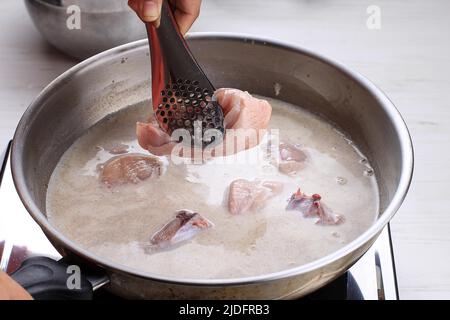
(120, 77)
(103, 25)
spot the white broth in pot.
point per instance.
(118, 221)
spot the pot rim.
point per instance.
(383, 218)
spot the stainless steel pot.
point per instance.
(119, 77)
(103, 25)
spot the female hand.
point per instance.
(186, 11)
(11, 290)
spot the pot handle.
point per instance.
(48, 279)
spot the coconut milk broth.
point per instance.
(115, 222)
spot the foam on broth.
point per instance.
(113, 222)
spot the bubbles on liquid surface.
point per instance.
(368, 172)
(336, 234)
(341, 180)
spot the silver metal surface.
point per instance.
(374, 273)
(114, 79)
(6, 254)
(24, 232)
(387, 286)
(103, 25)
(21, 236)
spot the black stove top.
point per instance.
(371, 278)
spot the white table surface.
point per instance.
(408, 58)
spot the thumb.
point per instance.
(147, 10)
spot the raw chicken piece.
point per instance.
(292, 158)
(247, 195)
(115, 148)
(183, 227)
(311, 206)
(241, 111)
(129, 168)
(291, 152)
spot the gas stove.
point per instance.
(371, 278)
